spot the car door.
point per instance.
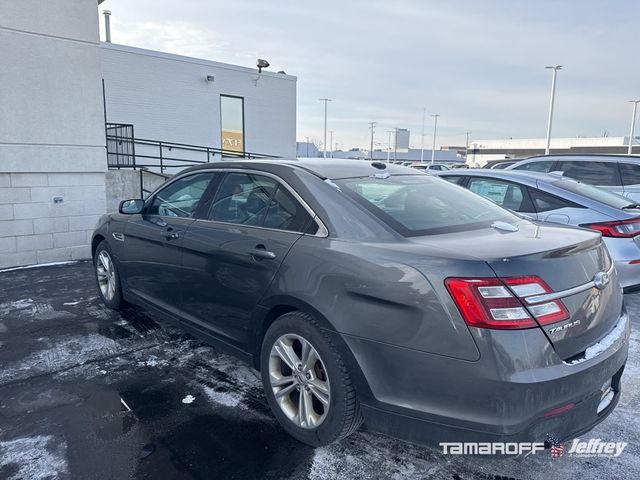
(233, 253)
(630, 176)
(600, 174)
(510, 195)
(152, 257)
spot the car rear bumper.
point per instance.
(623, 251)
(430, 399)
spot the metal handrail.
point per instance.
(122, 143)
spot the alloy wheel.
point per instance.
(299, 381)
(106, 275)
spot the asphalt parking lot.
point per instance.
(90, 393)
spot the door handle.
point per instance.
(261, 252)
(169, 234)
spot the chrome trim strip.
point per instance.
(548, 297)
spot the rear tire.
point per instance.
(107, 277)
(315, 401)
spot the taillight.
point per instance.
(619, 228)
(500, 302)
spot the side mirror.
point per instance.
(131, 207)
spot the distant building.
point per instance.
(307, 150)
(482, 151)
(411, 155)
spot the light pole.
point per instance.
(424, 112)
(633, 124)
(555, 69)
(466, 145)
(324, 145)
(307, 147)
(435, 129)
(395, 145)
(389, 146)
(372, 126)
(331, 143)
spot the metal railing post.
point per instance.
(141, 183)
(161, 162)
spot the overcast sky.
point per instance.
(479, 64)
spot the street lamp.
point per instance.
(435, 128)
(555, 69)
(331, 143)
(324, 145)
(372, 126)
(424, 112)
(389, 145)
(633, 124)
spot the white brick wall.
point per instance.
(51, 131)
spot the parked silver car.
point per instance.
(617, 173)
(558, 199)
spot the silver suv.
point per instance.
(617, 173)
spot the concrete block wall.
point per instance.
(52, 140)
(35, 229)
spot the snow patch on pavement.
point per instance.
(228, 399)
(51, 264)
(35, 458)
(188, 399)
(64, 354)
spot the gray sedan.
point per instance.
(374, 293)
(557, 199)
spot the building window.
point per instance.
(232, 124)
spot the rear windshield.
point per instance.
(423, 205)
(594, 193)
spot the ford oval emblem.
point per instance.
(601, 280)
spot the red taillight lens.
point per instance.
(620, 228)
(545, 313)
(498, 302)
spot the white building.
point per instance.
(52, 144)
(178, 99)
(54, 182)
(482, 151)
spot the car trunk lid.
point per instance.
(567, 260)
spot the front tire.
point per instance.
(107, 277)
(306, 382)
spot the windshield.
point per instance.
(594, 193)
(424, 205)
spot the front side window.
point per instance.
(506, 194)
(542, 166)
(181, 197)
(423, 205)
(594, 173)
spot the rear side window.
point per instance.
(542, 166)
(180, 198)
(506, 194)
(594, 173)
(452, 178)
(286, 213)
(545, 202)
(242, 198)
(258, 200)
(630, 173)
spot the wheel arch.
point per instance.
(279, 305)
(95, 241)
